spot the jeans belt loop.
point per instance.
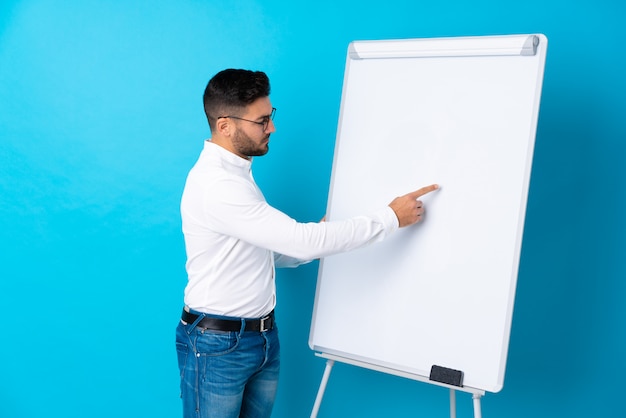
(193, 325)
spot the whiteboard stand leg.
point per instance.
(477, 413)
(452, 403)
(320, 392)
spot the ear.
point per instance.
(224, 127)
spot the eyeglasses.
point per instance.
(264, 123)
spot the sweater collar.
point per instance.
(227, 156)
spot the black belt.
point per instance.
(218, 324)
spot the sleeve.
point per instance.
(236, 207)
(284, 261)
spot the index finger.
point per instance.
(421, 192)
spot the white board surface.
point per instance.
(460, 112)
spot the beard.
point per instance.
(246, 146)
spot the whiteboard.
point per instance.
(460, 112)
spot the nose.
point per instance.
(271, 128)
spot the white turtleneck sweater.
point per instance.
(234, 238)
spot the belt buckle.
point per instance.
(262, 325)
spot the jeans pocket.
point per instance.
(216, 343)
(182, 352)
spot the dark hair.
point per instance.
(230, 91)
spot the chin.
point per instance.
(260, 152)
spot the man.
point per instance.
(227, 339)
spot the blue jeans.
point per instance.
(227, 374)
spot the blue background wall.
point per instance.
(101, 118)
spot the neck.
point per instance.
(228, 146)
